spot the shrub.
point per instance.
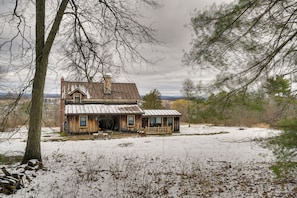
(284, 148)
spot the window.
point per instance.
(159, 121)
(77, 98)
(152, 121)
(170, 121)
(83, 121)
(130, 120)
(155, 121)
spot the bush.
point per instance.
(284, 148)
(9, 160)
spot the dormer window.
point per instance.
(77, 98)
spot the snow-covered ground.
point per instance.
(201, 161)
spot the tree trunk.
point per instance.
(33, 141)
(42, 51)
(189, 113)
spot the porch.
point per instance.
(158, 130)
(161, 121)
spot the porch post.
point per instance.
(120, 123)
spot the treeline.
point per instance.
(240, 109)
(11, 96)
(16, 113)
(269, 105)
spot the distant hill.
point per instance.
(4, 95)
(171, 98)
(52, 95)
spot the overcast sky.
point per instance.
(167, 74)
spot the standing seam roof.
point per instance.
(102, 109)
(94, 90)
(161, 112)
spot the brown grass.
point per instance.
(116, 135)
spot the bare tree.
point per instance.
(188, 90)
(118, 34)
(85, 27)
(85, 64)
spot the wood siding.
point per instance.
(135, 127)
(74, 127)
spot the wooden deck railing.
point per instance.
(158, 130)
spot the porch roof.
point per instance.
(102, 109)
(161, 112)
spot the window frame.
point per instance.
(75, 96)
(128, 120)
(156, 121)
(168, 121)
(152, 121)
(80, 121)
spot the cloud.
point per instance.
(167, 74)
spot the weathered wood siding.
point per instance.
(124, 123)
(74, 125)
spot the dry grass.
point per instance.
(260, 125)
(116, 135)
(104, 176)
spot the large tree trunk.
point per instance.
(33, 141)
(43, 48)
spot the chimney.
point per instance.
(107, 84)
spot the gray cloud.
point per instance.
(167, 74)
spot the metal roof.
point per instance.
(95, 90)
(102, 109)
(161, 112)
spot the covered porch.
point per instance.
(161, 122)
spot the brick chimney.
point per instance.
(107, 83)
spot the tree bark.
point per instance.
(33, 142)
(33, 150)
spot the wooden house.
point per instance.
(88, 107)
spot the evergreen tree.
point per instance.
(249, 42)
(152, 100)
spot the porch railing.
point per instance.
(158, 130)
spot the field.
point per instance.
(201, 161)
